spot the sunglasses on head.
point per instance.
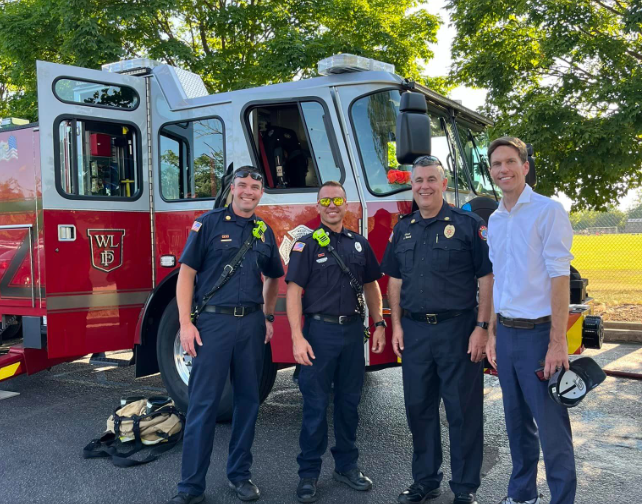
(325, 202)
(427, 159)
(254, 175)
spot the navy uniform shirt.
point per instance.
(213, 241)
(439, 260)
(327, 289)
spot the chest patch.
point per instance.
(322, 254)
(407, 236)
(225, 236)
(358, 246)
(449, 232)
(322, 260)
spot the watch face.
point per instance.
(269, 318)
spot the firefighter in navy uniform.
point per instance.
(435, 258)
(329, 348)
(230, 333)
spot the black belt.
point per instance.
(336, 319)
(237, 311)
(433, 318)
(522, 323)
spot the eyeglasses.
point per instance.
(428, 160)
(325, 202)
(254, 175)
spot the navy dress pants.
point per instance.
(530, 411)
(235, 345)
(435, 366)
(339, 353)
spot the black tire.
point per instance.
(11, 332)
(176, 386)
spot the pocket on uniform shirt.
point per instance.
(320, 270)
(262, 254)
(448, 253)
(405, 254)
(358, 263)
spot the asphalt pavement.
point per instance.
(57, 412)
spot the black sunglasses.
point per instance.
(427, 159)
(254, 175)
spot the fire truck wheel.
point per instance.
(175, 366)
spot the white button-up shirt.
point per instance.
(528, 246)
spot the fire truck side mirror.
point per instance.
(413, 128)
(531, 176)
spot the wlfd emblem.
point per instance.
(106, 248)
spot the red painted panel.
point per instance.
(20, 196)
(94, 300)
(382, 217)
(83, 332)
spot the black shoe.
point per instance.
(246, 490)
(418, 494)
(185, 498)
(354, 478)
(306, 491)
(465, 498)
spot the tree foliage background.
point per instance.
(231, 44)
(566, 76)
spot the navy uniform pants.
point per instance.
(435, 366)
(339, 353)
(235, 345)
(529, 409)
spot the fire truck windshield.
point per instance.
(374, 118)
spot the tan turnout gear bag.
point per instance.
(133, 424)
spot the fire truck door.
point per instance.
(95, 178)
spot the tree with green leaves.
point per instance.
(231, 44)
(566, 76)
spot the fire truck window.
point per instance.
(98, 159)
(475, 158)
(375, 120)
(283, 147)
(314, 116)
(96, 94)
(191, 159)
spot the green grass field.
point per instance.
(613, 265)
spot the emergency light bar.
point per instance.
(136, 66)
(346, 63)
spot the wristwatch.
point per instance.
(483, 325)
(269, 318)
(381, 323)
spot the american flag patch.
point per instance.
(196, 226)
(298, 247)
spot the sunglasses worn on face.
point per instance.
(325, 202)
(254, 175)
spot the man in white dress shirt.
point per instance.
(530, 238)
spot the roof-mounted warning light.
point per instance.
(136, 66)
(345, 63)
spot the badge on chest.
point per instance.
(449, 231)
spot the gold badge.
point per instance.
(263, 238)
(449, 232)
(227, 217)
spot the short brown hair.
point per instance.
(508, 141)
(331, 183)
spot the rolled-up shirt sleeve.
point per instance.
(557, 238)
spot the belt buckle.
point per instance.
(342, 319)
(431, 318)
(242, 311)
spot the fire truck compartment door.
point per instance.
(96, 206)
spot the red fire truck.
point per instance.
(97, 199)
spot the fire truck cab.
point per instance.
(97, 199)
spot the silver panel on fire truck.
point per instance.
(51, 110)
